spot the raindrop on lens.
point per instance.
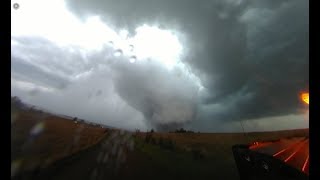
(247, 158)
(106, 157)
(15, 165)
(118, 53)
(94, 174)
(13, 117)
(265, 166)
(110, 43)
(131, 145)
(122, 132)
(133, 59)
(37, 129)
(131, 47)
(114, 149)
(100, 156)
(16, 6)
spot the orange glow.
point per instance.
(305, 97)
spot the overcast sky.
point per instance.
(164, 64)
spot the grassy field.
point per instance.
(62, 149)
(195, 155)
(38, 139)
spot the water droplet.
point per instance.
(121, 155)
(265, 166)
(76, 139)
(122, 132)
(126, 137)
(114, 149)
(94, 174)
(100, 156)
(247, 158)
(47, 162)
(123, 158)
(16, 6)
(131, 47)
(113, 135)
(37, 129)
(80, 128)
(105, 158)
(133, 59)
(15, 166)
(110, 43)
(131, 145)
(105, 145)
(124, 140)
(14, 116)
(118, 53)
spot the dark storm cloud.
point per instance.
(27, 72)
(252, 56)
(99, 92)
(50, 56)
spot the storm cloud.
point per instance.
(241, 60)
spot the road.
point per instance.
(294, 151)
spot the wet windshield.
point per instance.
(119, 89)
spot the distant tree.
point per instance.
(152, 131)
(16, 101)
(181, 130)
(18, 104)
(137, 132)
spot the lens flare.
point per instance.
(305, 97)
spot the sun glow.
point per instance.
(53, 21)
(305, 97)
